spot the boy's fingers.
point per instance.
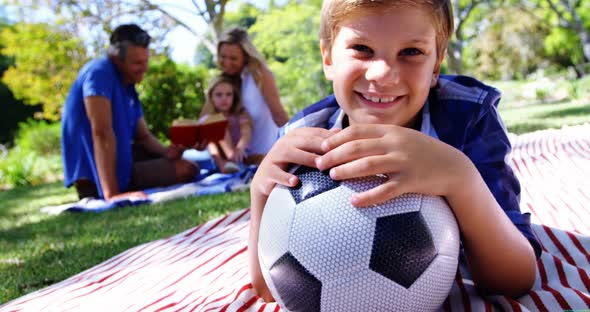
(351, 151)
(377, 195)
(349, 134)
(301, 157)
(275, 176)
(367, 166)
(283, 178)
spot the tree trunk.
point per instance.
(455, 57)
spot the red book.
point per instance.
(188, 132)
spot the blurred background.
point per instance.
(537, 52)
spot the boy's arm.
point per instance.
(499, 256)
(299, 146)
(511, 254)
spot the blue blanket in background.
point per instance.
(205, 184)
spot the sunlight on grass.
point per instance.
(543, 116)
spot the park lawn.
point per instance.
(37, 250)
(534, 117)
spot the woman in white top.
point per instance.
(237, 57)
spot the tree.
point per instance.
(245, 16)
(94, 19)
(566, 18)
(288, 39)
(170, 91)
(463, 12)
(13, 111)
(46, 60)
(509, 47)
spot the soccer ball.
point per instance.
(319, 253)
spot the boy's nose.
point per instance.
(382, 72)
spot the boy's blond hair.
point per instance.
(335, 11)
(254, 60)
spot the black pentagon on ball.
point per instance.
(402, 247)
(311, 183)
(299, 289)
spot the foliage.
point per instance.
(39, 137)
(171, 91)
(36, 156)
(467, 17)
(509, 47)
(37, 250)
(288, 39)
(18, 169)
(13, 111)
(244, 16)
(46, 60)
(563, 46)
(94, 20)
(568, 27)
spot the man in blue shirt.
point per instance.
(104, 131)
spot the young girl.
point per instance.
(223, 97)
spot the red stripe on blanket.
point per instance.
(464, 294)
(205, 268)
(537, 301)
(545, 285)
(580, 248)
(559, 245)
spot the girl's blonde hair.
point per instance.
(254, 60)
(335, 11)
(236, 107)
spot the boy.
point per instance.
(428, 135)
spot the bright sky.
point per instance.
(182, 42)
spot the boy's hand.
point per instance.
(413, 162)
(299, 146)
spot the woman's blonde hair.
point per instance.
(236, 107)
(335, 11)
(253, 59)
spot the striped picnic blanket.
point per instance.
(205, 268)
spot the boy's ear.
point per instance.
(437, 68)
(326, 61)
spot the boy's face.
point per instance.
(382, 65)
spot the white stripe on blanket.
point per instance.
(205, 268)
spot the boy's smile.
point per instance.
(383, 64)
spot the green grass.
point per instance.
(530, 118)
(37, 250)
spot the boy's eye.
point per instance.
(411, 51)
(361, 48)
